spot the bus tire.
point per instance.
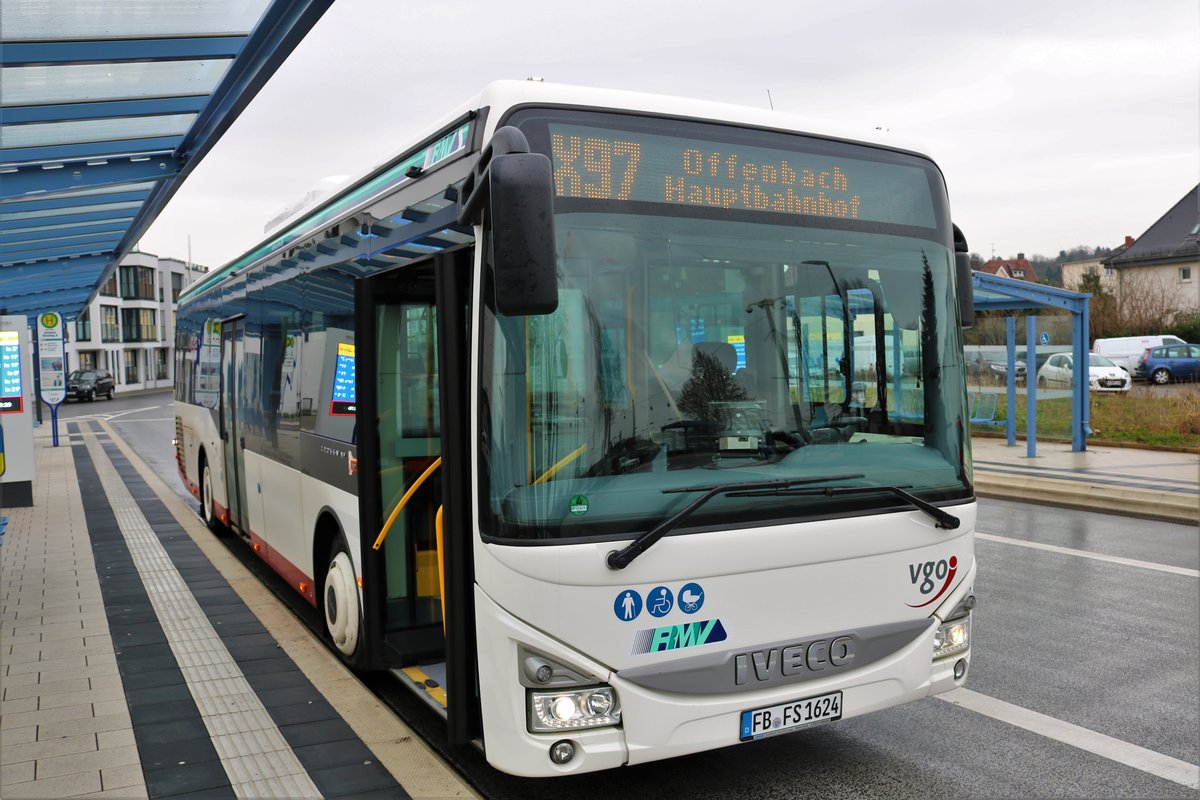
(206, 497)
(339, 604)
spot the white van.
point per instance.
(1126, 351)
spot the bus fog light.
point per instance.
(562, 752)
(573, 709)
(960, 668)
(952, 637)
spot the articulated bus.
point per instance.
(617, 426)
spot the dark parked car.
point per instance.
(88, 384)
(1173, 362)
(983, 370)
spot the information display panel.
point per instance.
(10, 372)
(51, 367)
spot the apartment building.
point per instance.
(129, 328)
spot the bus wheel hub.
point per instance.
(341, 604)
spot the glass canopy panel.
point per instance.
(41, 134)
(47, 238)
(984, 297)
(78, 83)
(70, 19)
(144, 186)
(59, 212)
(63, 225)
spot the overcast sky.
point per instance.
(1056, 122)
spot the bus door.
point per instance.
(412, 354)
(233, 443)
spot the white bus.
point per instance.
(555, 416)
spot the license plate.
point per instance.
(791, 716)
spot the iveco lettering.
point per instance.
(616, 426)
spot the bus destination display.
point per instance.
(627, 166)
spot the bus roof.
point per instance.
(506, 94)
(500, 96)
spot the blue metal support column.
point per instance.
(1080, 407)
(1010, 423)
(1030, 387)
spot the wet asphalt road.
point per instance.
(1085, 637)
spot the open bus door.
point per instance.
(413, 468)
(233, 333)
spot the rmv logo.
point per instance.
(676, 637)
(929, 573)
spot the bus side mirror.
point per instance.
(519, 224)
(512, 191)
(963, 279)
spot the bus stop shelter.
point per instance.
(107, 107)
(994, 293)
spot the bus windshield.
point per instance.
(737, 306)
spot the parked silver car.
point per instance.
(1103, 374)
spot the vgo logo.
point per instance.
(929, 574)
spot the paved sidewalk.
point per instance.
(65, 728)
(1146, 483)
(139, 658)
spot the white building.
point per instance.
(129, 328)
(1159, 270)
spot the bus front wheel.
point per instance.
(340, 600)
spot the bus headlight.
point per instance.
(573, 709)
(952, 637)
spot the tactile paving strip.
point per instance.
(253, 752)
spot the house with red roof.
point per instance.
(1017, 268)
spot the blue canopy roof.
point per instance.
(104, 110)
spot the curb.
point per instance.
(1093, 442)
(1142, 503)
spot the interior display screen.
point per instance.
(343, 402)
(633, 166)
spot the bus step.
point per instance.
(428, 681)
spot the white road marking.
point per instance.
(131, 411)
(1131, 755)
(1068, 551)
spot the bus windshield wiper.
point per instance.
(944, 519)
(619, 559)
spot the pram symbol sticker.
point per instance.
(691, 598)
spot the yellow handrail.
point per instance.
(562, 462)
(387, 526)
(441, 565)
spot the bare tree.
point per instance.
(1146, 301)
